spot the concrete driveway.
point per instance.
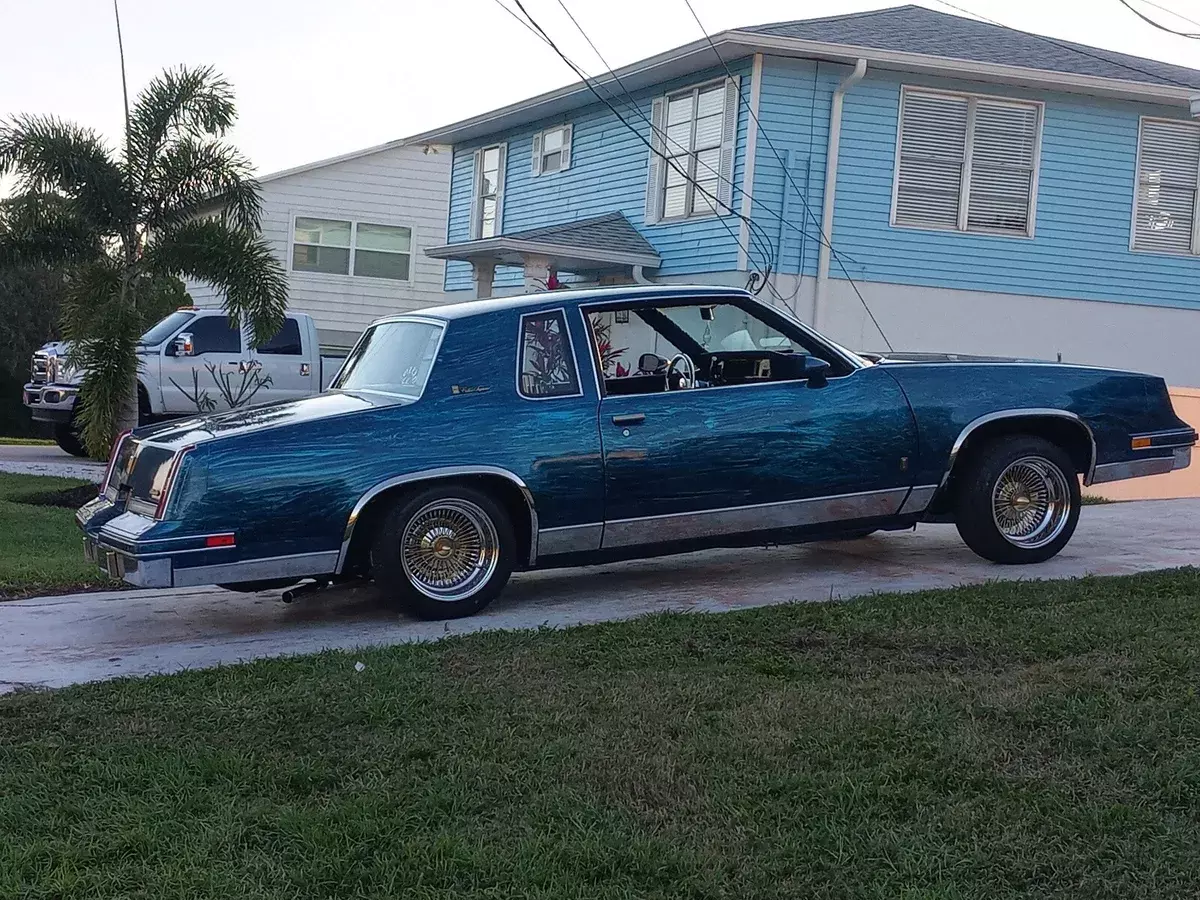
(47, 460)
(55, 641)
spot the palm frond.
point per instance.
(236, 261)
(50, 156)
(45, 230)
(103, 330)
(192, 177)
(195, 102)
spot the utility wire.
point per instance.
(541, 34)
(637, 107)
(1172, 12)
(825, 239)
(1161, 27)
(1073, 48)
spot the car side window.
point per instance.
(286, 342)
(214, 334)
(546, 360)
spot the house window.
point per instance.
(382, 251)
(1168, 176)
(322, 245)
(967, 163)
(337, 247)
(691, 166)
(547, 358)
(489, 191)
(552, 150)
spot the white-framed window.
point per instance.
(1168, 178)
(347, 247)
(967, 162)
(487, 203)
(693, 132)
(552, 150)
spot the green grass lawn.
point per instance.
(1008, 740)
(41, 549)
(25, 442)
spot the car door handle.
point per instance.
(629, 419)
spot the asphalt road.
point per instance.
(55, 641)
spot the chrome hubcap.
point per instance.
(450, 549)
(1031, 502)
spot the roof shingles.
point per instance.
(611, 231)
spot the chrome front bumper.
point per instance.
(50, 402)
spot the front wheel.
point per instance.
(444, 552)
(1018, 501)
(68, 440)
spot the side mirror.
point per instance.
(816, 371)
(650, 362)
(183, 345)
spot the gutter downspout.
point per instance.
(831, 174)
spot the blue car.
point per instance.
(463, 443)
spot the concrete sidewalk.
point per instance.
(55, 641)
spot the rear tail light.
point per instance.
(112, 458)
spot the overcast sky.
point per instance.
(316, 78)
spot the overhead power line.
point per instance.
(825, 239)
(1161, 27)
(533, 26)
(1177, 15)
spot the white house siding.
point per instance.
(394, 186)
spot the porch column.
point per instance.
(537, 273)
(485, 274)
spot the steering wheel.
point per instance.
(687, 381)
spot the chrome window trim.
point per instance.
(1030, 413)
(439, 473)
(562, 312)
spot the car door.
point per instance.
(709, 461)
(284, 360)
(201, 375)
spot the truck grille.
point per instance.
(39, 368)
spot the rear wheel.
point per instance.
(1018, 501)
(444, 552)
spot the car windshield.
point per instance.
(156, 334)
(392, 358)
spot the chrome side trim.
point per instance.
(918, 498)
(570, 539)
(432, 475)
(1139, 468)
(1034, 413)
(760, 517)
(296, 566)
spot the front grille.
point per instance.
(39, 368)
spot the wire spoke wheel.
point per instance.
(1031, 502)
(449, 549)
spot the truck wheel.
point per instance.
(443, 552)
(68, 440)
(1018, 501)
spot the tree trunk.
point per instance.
(127, 417)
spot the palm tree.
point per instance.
(177, 201)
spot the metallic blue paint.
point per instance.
(285, 478)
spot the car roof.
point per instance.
(570, 297)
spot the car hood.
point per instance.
(198, 430)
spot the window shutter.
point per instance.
(1168, 166)
(1003, 152)
(476, 198)
(502, 166)
(566, 147)
(657, 168)
(933, 142)
(728, 146)
(537, 154)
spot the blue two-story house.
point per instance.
(953, 185)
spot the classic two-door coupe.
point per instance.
(574, 427)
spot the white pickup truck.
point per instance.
(190, 349)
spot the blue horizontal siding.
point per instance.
(1084, 207)
(609, 167)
